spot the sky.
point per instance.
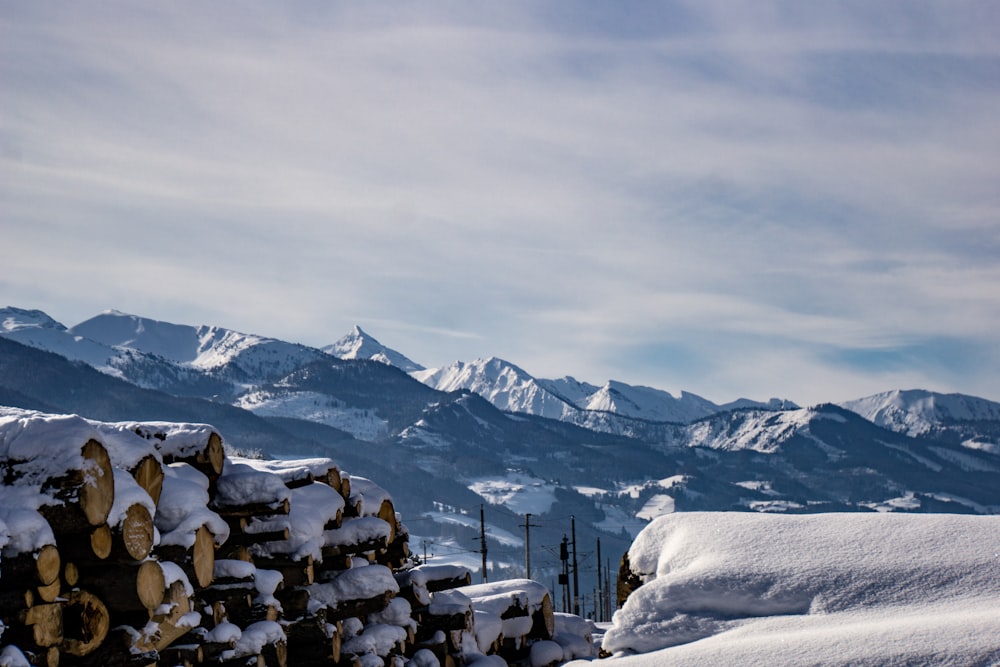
(739, 198)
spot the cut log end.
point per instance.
(137, 532)
(98, 492)
(215, 454)
(85, 623)
(148, 474)
(101, 541)
(203, 557)
(48, 564)
(150, 584)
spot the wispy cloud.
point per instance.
(788, 193)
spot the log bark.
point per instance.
(117, 651)
(251, 510)
(182, 654)
(43, 657)
(85, 495)
(276, 654)
(295, 572)
(37, 568)
(209, 459)
(38, 626)
(309, 645)
(167, 624)
(88, 547)
(359, 608)
(128, 591)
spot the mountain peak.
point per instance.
(358, 344)
(12, 319)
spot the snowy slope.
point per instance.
(916, 412)
(824, 589)
(359, 344)
(501, 383)
(201, 347)
(649, 403)
(35, 328)
(512, 389)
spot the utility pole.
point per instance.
(576, 579)
(482, 539)
(527, 544)
(599, 615)
(564, 575)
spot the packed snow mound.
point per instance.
(358, 344)
(822, 589)
(915, 411)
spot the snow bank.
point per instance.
(40, 446)
(241, 484)
(182, 508)
(747, 588)
(22, 530)
(355, 584)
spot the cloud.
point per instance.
(563, 187)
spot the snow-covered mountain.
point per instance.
(247, 356)
(35, 328)
(512, 389)
(359, 344)
(501, 383)
(917, 412)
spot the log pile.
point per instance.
(139, 544)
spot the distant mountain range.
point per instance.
(445, 440)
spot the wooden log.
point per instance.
(387, 512)
(132, 539)
(118, 651)
(294, 602)
(42, 657)
(198, 561)
(276, 654)
(208, 455)
(184, 654)
(358, 608)
(295, 572)
(85, 496)
(128, 591)
(71, 574)
(543, 622)
(93, 545)
(627, 580)
(251, 510)
(310, 644)
(148, 473)
(169, 623)
(86, 623)
(49, 593)
(31, 568)
(35, 626)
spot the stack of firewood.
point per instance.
(140, 544)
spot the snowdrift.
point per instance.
(823, 589)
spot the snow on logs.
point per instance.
(141, 543)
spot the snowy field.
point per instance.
(822, 589)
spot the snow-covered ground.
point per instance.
(520, 493)
(821, 589)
